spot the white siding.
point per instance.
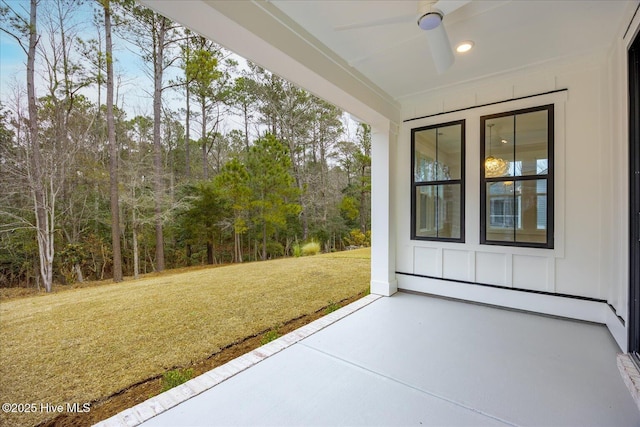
(590, 257)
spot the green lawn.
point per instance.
(84, 344)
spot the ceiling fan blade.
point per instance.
(440, 48)
(384, 21)
(448, 6)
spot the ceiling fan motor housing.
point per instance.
(429, 17)
(430, 20)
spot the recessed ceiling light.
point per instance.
(464, 46)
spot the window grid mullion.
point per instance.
(516, 179)
(439, 184)
(437, 214)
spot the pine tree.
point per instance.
(274, 190)
(233, 182)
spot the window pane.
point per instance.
(532, 215)
(449, 219)
(449, 155)
(425, 155)
(517, 186)
(501, 209)
(532, 156)
(498, 149)
(438, 154)
(426, 211)
(438, 211)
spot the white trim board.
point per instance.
(554, 305)
(618, 329)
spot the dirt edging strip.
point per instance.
(156, 405)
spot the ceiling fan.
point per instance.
(429, 18)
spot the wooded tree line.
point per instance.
(88, 191)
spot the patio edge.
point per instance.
(630, 376)
(156, 405)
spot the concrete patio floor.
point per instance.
(412, 360)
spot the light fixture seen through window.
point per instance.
(464, 46)
(493, 166)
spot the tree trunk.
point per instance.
(245, 109)
(264, 240)
(79, 275)
(324, 178)
(136, 252)
(297, 175)
(38, 190)
(187, 149)
(209, 253)
(158, 69)
(237, 243)
(203, 135)
(113, 151)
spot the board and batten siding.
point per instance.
(581, 277)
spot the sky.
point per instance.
(12, 63)
(134, 85)
(129, 68)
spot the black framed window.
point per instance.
(516, 178)
(437, 182)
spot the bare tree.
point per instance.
(62, 113)
(44, 211)
(22, 27)
(154, 35)
(137, 197)
(113, 149)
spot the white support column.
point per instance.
(383, 254)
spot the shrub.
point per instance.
(355, 238)
(311, 248)
(297, 250)
(73, 254)
(175, 377)
(275, 249)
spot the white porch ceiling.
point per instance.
(508, 35)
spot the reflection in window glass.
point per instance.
(438, 181)
(531, 224)
(437, 154)
(498, 147)
(517, 193)
(519, 142)
(501, 211)
(438, 211)
(517, 211)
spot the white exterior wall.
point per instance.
(590, 258)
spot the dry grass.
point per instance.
(85, 344)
